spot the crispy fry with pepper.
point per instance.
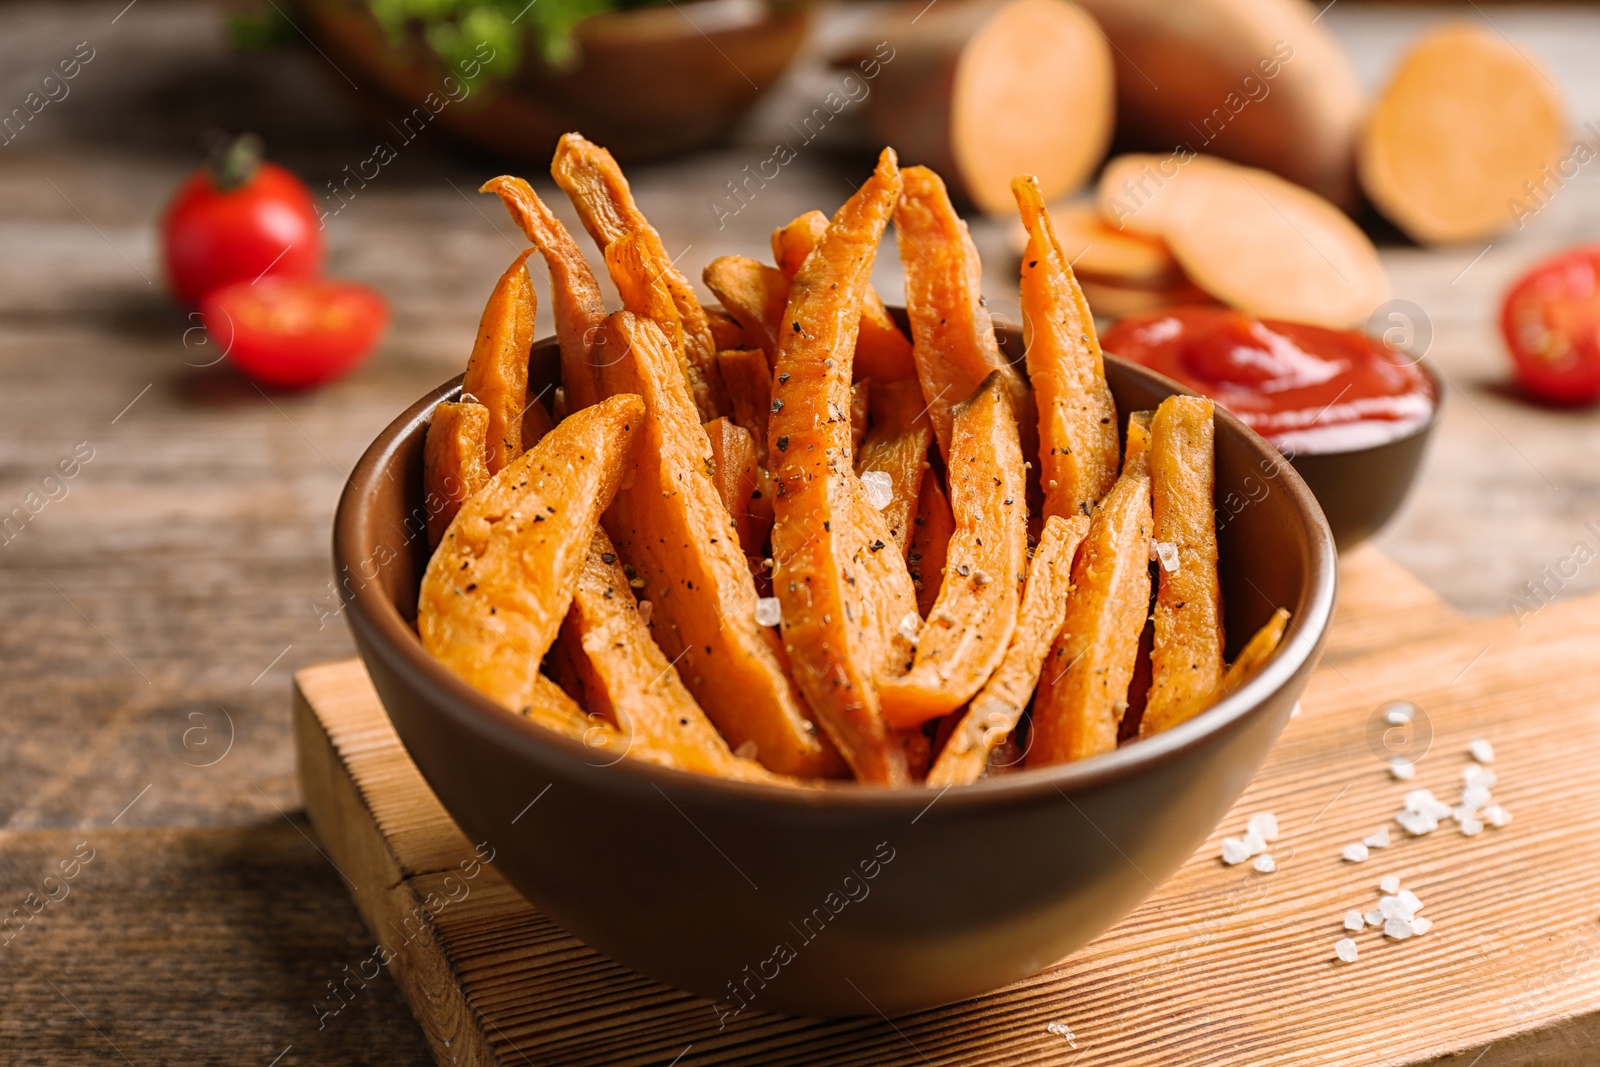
(496, 589)
(966, 634)
(896, 447)
(453, 462)
(591, 178)
(1077, 416)
(497, 370)
(831, 640)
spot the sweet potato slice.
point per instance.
(993, 714)
(1083, 685)
(1262, 644)
(952, 334)
(591, 178)
(754, 294)
(669, 524)
(896, 444)
(830, 638)
(453, 467)
(494, 593)
(633, 678)
(1077, 415)
(1186, 659)
(883, 352)
(1136, 455)
(733, 463)
(578, 304)
(497, 370)
(931, 531)
(967, 632)
(749, 380)
(1455, 139)
(646, 295)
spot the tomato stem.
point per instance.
(234, 160)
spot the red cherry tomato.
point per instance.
(294, 332)
(1551, 322)
(236, 219)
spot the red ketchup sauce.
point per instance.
(1304, 388)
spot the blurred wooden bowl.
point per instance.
(649, 82)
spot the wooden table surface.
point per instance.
(153, 616)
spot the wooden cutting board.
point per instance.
(1222, 965)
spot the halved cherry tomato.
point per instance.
(1551, 322)
(237, 219)
(295, 332)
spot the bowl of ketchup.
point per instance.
(1352, 413)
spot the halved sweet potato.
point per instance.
(896, 444)
(591, 178)
(993, 714)
(497, 370)
(952, 334)
(453, 465)
(496, 589)
(1186, 659)
(967, 632)
(1077, 415)
(670, 526)
(831, 639)
(931, 531)
(748, 377)
(576, 299)
(1083, 685)
(635, 680)
(883, 352)
(733, 471)
(754, 293)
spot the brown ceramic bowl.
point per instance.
(848, 900)
(1361, 489)
(649, 82)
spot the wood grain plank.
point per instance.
(1223, 965)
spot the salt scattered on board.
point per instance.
(1266, 824)
(1356, 853)
(1354, 921)
(1377, 840)
(1389, 883)
(1346, 949)
(1402, 769)
(1234, 851)
(1266, 864)
(1481, 750)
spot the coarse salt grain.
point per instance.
(1402, 769)
(1374, 917)
(1481, 750)
(1346, 949)
(1167, 553)
(1496, 816)
(1266, 824)
(880, 488)
(1254, 842)
(1419, 925)
(747, 750)
(1477, 775)
(646, 609)
(1354, 921)
(910, 626)
(1394, 908)
(1356, 853)
(1389, 883)
(1266, 864)
(1410, 900)
(1476, 797)
(1234, 851)
(769, 611)
(1377, 840)
(1398, 928)
(1416, 824)
(1471, 827)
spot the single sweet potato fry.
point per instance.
(931, 531)
(831, 640)
(670, 526)
(647, 700)
(1083, 685)
(646, 295)
(1077, 416)
(1186, 659)
(754, 294)
(952, 334)
(733, 463)
(591, 178)
(578, 304)
(966, 634)
(496, 589)
(1262, 644)
(748, 377)
(453, 466)
(993, 714)
(726, 331)
(896, 444)
(1136, 455)
(883, 352)
(497, 370)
